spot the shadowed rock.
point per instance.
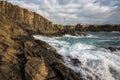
(21, 56)
(112, 49)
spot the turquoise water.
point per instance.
(100, 39)
(96, 61)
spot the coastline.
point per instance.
(24, 58)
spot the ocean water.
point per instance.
(88, 55)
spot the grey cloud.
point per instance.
(75, 11)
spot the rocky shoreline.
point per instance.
(24, 58)
(21, 56)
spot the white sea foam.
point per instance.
(71, 36)
(115, 32)
(90, 35)
(95, 62)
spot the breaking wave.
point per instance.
(86, 57)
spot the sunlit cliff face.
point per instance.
(75, 11)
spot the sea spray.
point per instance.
(86, 56)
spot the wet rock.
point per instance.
(21, 56)
(112, 49)
(63, 73)
(75, 62)
(114, 73)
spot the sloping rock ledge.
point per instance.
(24, 58)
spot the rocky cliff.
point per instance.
(27, 19)
(21, 56)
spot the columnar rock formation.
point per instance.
(29, 20)
(21, 56)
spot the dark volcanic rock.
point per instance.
(21, 56)
(112, 49)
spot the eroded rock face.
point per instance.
(21, 56)
(26, 19)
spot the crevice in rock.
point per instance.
(4, 45)
(57, 72)
(23, 61)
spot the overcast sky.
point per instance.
(75, 11)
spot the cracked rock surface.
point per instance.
(21, 56)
